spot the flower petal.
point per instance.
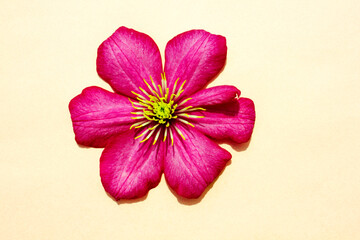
(213, 96)
(234, 120)
(192, 164)
(98, 115)
(196, 56)
(128, 168)
(126, 58)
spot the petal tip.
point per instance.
(127, 57)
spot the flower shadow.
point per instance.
(128, 201)
(83, 146)
(238, 147)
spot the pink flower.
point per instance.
(160, 121)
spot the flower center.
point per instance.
(162, 110)
(157, 107)
(159, 110)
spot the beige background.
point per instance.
(298, 178)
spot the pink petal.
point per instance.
(98, 115)
(213, 96)
(192, 164)
(126, 58)
(128, 168)
(234, 120)
(195, 56)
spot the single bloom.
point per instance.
(161, 120)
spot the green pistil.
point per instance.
(160, 110)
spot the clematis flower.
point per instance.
(161, 120)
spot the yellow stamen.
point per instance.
(184, 101)
(165, 134)
(161, 91)
(182, 85)
(179, 132)
(196, 109)
(184, 109)
(190, 116)
(157, 136)
(140, 117)
(145, 105)
(146, 94)
(153, 83)
(138, 123)
(162, 82)
(186, 122)
(140, 96)
(134, 103)
(142, 134)
(149, 87)
(143, 125)
(144, 101)
(179, 93)
(172, 96)
(149, 118)
(148, 136)
(166, 94)
(157, 94)
(173, 91)
(152, 128)
(148, 113)
(172, 138)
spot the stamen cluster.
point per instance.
(157, 109)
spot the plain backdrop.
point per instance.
(298, 177)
